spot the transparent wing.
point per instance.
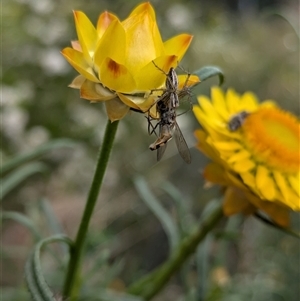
(182, 147)
(161, 151)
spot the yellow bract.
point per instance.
(258, 161)
(116, 60)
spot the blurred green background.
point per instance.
(255, 43)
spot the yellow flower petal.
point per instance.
(144, 42)
(278, 214)
(203, 146)
(150, 77)
(268, 104)
(249, 102)
(224, 154)
(235, 202)
(232, 145)
(214, 173)
(265, 183)
(129, 101)
(199, 114)
(233, 179)
(233, 101)
(115, 51)
(178, 45)
(294, 200)
(294, 181)
(104, 21)
(76, 45)
(77, 60)
(248, 179)
(239, 156)
(77, 82)
(208, 109)
(142, 8)
(219, 103)
(138, 103)
(95, 92)
(115, 109)
(187, 80)
(217, 135)
(287, 193)
(87, 35)
(116, 76)
(243, 166)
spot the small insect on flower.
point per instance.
(166, 108)
(258, 166)
(237, 121)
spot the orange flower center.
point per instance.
(274, 137)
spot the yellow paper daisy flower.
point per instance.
(116, 60)
(256, 152)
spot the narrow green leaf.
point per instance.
(39, 151)
(182, 206)
(293, 22)
(21, 174)
(209, 208)
(210, 71)
(159, 211)
(52, 221)
(51, 218)
(203, 264)
(31, 282)
(35, 280)
(175, 194)
(22, 219)
(203, 251)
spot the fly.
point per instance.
(166, 106)
(237, 121)
(167, 124)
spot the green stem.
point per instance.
(152, 283)
(75, 254)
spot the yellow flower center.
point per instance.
(273, 136)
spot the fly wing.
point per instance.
(182, 147)
(161, 151)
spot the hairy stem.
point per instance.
(72, 277)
